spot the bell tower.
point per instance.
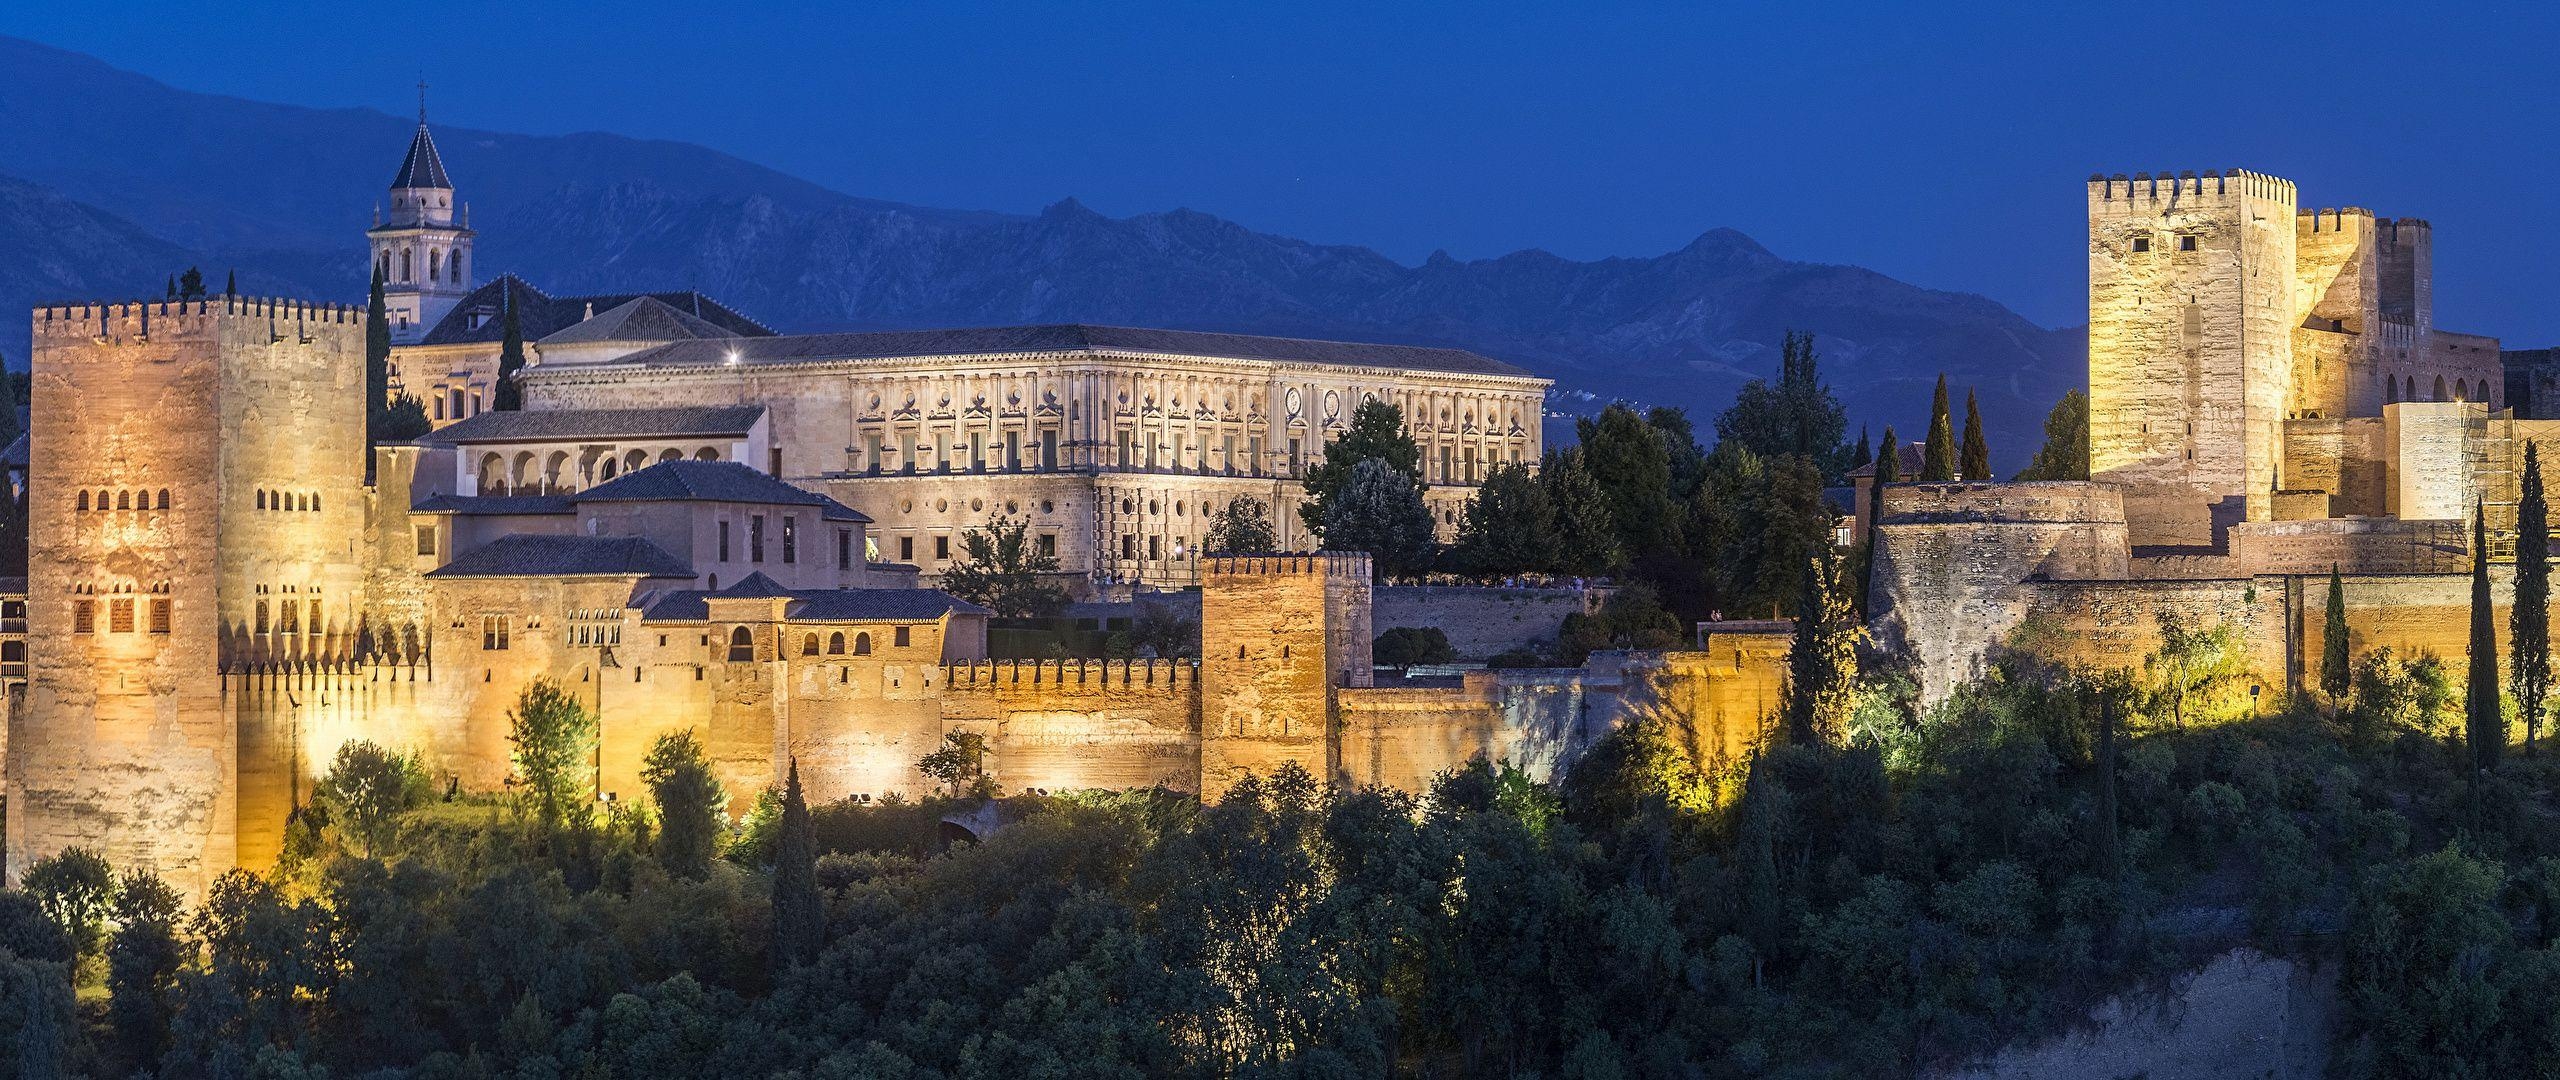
(423, 249)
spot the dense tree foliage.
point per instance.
(554, 738)
(1378, 509)
(2065, 454)
(690, 802)
(1004, 569)
(1798, 416)
(1241, 527)
(1376, 433)
(1509, 528)
(1405, 646)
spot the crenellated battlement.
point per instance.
(1161, 676)
(2188, 184)
(2332, 219)
(1337, 563)
(2391, 228)
(140, 318)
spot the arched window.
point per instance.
(835, 643)
(604, 469)
(672, 454)
(2439, 389)
(715, 583)
(164, 499)
(2390, 391)
(382, 266)
(742, 646)
(493, 474)
(435, 264)
(315, 500)
(809, 645)
(861, 644)
(635, 461)
(262, 499)
(408, 264)
(84, 498)
(2408, 388)
(124, 500)
(453, 269)
(706, 454)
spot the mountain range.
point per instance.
(111, 181)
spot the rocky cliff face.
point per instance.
(282, 193)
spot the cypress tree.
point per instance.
(173, 286)
(507, 396)
(2334, 676)
(1865, 454)
(2485, 723)
(1938, 453)
(1977, 453)
(377, 359)
(799, 922)
(2529, 620)
(1822, 662)
(231, 283)
(2106, 848)
(1888, 470)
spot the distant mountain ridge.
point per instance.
(282, 193)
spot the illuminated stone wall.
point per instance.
(1952, 561)
(1061, 724)
(1270, 660)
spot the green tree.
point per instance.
(1680, 439)
(958, 765)
(404, 420)
(14, 533)
(1938, 454)
(554, 738)
(508, 395)
(689, 801)
(1001, 568)
(2335, 669)
(1865, 454)
(366, 790)
(2065, 454)
(377, 363)
(1243, 527)
(799, 919)
(1822, 662)
(1630, 461)
(2422, 971)
(1586, 533)
(1405, 646)
(2196, 672)
(2529, 618)
(231, 283)
(75, 888)
(37, 1020)
(2485, 715)
(1376, 433)
(144, 956)
(1167, 631)
(1799, 415)
(191, 284)
(1510, 525)
(1976, 463)
(1379, 510)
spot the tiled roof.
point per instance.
(712, 481)
(1071, 337)
(15, 455)
(644, 319)
(754, 585)
(538, 425)
(820, 605)
(1912, 456)
(480, 315)
(423, 168)
(531, 555)
(493, 504)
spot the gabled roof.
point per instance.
(712, 481)
(754, 586)
(423, 168)
(541, 314)
(644, 319)
(1072, 337)
(819, 605)
(1912, 457)
(493, 504)
(542, 425)
(533, 555)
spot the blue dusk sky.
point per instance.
(1946, 145)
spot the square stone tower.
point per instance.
(1279, 634)
(2192, 309)
(195, 502)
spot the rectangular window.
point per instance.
(120, 615)
(844, 549)
(790, 540)
(755, 538)
(724, 541)
(901, 636)
(84, 616)
(1128, 546)
(942, 548)
(906, 549)
(160, 615)
(2141, 243)
(289, 618)
(493, 633)
(316, 625)
(1048, 545)
(426, 540)
(1155, 548)
(2186, 243)
(262, 617)
(1049, 449)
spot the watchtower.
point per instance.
(196, 497)
(1279, 634)
(2191, 319)
(423, 250)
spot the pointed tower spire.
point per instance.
(420, 249)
